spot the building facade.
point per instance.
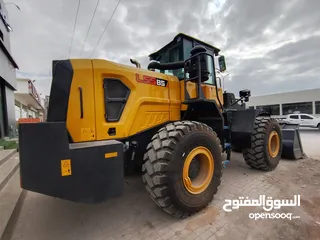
(8, 81)
(28, 103)
(281, 104)
(46, 106)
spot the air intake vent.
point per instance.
(116, 95)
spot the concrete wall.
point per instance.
(288, 97)
(7, 71)
(312, 95)
(3, 29)
(22, 86)
(10, 112)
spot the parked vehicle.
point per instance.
(304, 120)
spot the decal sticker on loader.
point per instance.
(87, 134)
(65, 167)
(152, 80)
(111, 155)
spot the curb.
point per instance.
(11, 223)
(12, 198)
(3, 160)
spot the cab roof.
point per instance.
(177, 39)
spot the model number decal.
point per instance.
(151, 80)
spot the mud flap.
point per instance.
(291, 142)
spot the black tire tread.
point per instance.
(255, 156)
(157, 158)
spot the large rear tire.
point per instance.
(174, 153)
(266, 141)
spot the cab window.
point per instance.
(305, 117)
(187, 47)
(211, 79)
(174, 54)
(294, 116)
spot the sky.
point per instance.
(269, 46)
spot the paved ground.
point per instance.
(135, 216)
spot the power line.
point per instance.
(85, 40)
(74, 27)
(115, 9)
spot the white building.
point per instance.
(280, 104)
(28, 103)
(8, 81)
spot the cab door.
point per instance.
(209, 86)
(294, 119)
(307, 120)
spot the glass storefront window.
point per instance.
(17, 112)
(271, 109)
(317, 107)
(301, 107)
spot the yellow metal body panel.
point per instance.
(82, 129)
(147, 106)
(209, 92)
(175, 98)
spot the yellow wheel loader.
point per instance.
(172, 121)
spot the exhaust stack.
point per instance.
(135, 62)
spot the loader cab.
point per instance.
(179, 50)
(185, 57)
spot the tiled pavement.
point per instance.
(134, 216)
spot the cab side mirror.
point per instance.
(222, 63)
(245, 94)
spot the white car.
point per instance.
(304, 120)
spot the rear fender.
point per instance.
(241, 125)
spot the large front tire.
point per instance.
(174, 152)
(266, 141)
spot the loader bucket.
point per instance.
(291, 142)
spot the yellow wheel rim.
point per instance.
(274, 144)
(202, 180)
